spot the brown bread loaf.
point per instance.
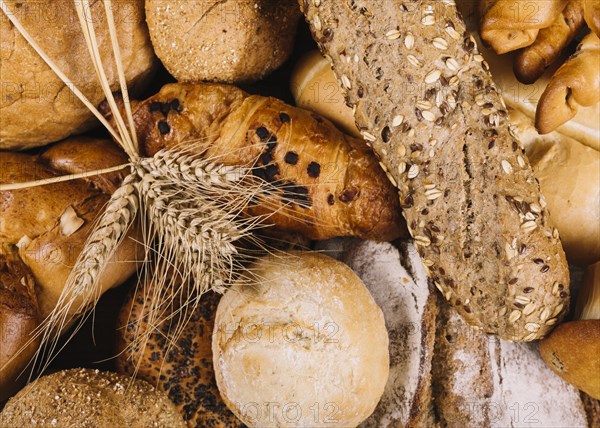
(322, 182)
(50, 223)
(424, 98)
(184, 370)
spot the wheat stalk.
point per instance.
(189, 209)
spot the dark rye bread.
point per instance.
(424, 99)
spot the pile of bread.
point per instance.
(343, 325)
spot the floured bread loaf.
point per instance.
(484, 381)
(36, 107)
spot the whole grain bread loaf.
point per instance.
(424, 99)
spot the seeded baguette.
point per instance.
(424, 99)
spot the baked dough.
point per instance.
(302, 343)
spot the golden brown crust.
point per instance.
(36, 107)
(592, 15)
(185, 372)
(19, 316)
(576, 83)
(512, 24)
(325, 183)
(531, 62)
(572, 351)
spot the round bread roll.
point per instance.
(314, 87)
(19, 316)
(573, 352)
(184, 371)
(90, 398)
(222, 41)
(36, 107)
(302, 343)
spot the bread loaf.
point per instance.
(36, 107)
(222, 41)
(484, 381)
(321, 182)
(300, 343)
(19, 316)
(89, 398)
(51, 223)
(184, 369)
(467, 191)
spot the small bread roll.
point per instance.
(302, 343)
(314, 87)
(89, 398)
(222, 41)
(573, 352)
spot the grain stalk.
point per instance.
(188, 208)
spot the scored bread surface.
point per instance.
(424, 99)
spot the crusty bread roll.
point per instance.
(36, 107)
(314, 88)
(573, 352)
(222, 41)
(302, 344)
(91, 399)
(183, 369)
(50, 223)
(19, 316)
(569, 175)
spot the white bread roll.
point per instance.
(303, 344)
(569, 175)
